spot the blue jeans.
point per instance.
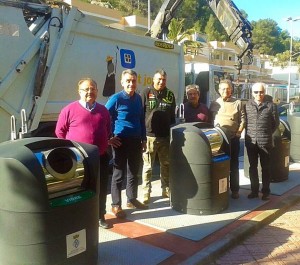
(127, 159)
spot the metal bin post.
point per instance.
(294, 122)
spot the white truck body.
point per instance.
(42, 82)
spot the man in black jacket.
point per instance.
(159, 105)
(261, 122)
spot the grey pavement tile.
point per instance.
(277, 188)
(115, 249)
(194, 227)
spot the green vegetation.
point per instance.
(196, 16)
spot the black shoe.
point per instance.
(265, 197)
(235, 195)
(252, 195)
(135, 204)
(103, 224)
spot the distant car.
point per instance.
(284, 109)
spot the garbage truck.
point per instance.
(47, 46)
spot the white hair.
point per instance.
(259, 85)
(192, 87)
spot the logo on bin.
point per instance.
(76, 243)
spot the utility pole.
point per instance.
(149, 15)
(291, 20)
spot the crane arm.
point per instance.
(236, 26)
(159, 28)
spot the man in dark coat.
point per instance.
(159, 105)
(261, 122)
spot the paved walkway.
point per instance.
(276, 243)
(165, 237)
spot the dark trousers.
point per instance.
(127, 159)
(104, 175)
(233, 151)
(234, 164)
(254, 151)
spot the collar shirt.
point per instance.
(87, 106)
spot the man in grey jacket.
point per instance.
(261, 122)
(228, 113)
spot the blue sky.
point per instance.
(278, 10)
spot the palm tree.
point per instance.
(178, 35)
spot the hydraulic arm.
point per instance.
(159, 28)
(237, 27)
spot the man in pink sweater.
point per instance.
(87, 121)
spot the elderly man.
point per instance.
(89, 122)
(261, 122)
(194, 110)
(229, 114)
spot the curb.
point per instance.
(210, 253)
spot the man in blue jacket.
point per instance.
(128, 142)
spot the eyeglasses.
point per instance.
(259, 92)
(192, 93)
(92, 89)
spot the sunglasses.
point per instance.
(258, 92)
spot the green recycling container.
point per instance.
(199, 170)
(48, 202)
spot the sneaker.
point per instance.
(146, 198)
(165, 193)
(235, 195)
(103, 224)
(265, 197)
(252, 195)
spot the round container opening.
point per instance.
(61, 163)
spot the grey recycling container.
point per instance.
(280, 154)
(294, 122)
(199, 170)
(48, 202)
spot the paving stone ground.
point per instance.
(278, 243)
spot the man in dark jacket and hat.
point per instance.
(261, 122)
